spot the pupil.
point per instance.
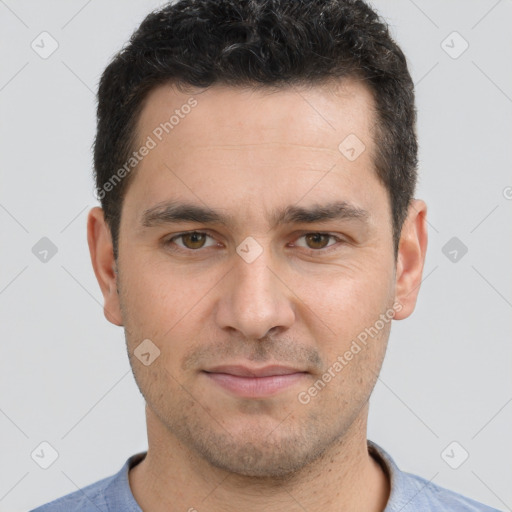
(196, 239)
(316, 238)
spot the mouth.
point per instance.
(254, 382)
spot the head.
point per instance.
(280, 138)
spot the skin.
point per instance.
(246, 154)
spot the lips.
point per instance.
(244, 371)
(248, 382)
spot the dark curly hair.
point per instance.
(258, 43)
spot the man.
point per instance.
(256, 166)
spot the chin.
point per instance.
(261, 457)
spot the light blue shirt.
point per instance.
(409, 493)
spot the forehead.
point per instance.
(317, 116)
(258, 145)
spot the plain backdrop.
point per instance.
(64, 373)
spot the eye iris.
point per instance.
(317, 238)
(194, 240)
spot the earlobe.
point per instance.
(102, 257)
(411, 258)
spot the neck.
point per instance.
(173, 477)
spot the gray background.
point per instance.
(64, 373)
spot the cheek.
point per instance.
(346, 301)
(349, 376)
(167, 307)
(156, 296)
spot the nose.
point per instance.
(254, 300)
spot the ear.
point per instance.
(411, 258)
(102, 256)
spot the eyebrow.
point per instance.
(170, 212)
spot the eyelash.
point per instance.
(308, 251)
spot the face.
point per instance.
(254, 254)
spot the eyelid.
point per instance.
(172, 239)
(324, 250)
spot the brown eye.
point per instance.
(317, 240)
(194, 240)
(190, 242)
